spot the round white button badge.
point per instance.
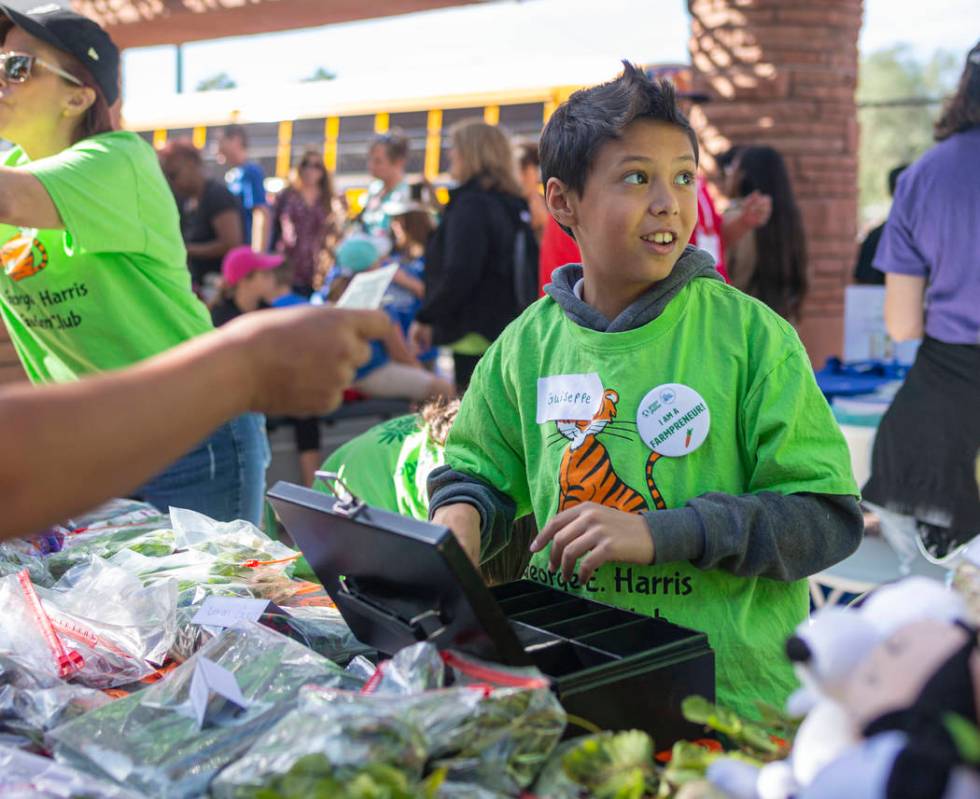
(673, 420)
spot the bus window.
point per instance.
(352, 144)
(412, 124)
(307, 135)
(523, 121)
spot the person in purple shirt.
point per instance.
(925, 454)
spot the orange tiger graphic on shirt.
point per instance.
(586, 473)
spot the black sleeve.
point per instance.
(784, 537)
(864, 271)
(218, 199)
(464, 256)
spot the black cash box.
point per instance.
(398, 581)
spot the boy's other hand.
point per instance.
(298, 361)
(598, 533)
(464, 521)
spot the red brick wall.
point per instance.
(784, 73)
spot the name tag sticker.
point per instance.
(673, 420)
(573, 398)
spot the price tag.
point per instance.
(367, 289)
(209, 682)
(226, 611)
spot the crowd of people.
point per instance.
(654, 420)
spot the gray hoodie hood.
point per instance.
(693, 263)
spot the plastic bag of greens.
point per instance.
(151, 741)
(121, 629)
(320, 751)
(496, 726)
(505, 742)
(30, 704)
(412, 670)
(17, 555)
(150, 540)
(24, 775)
(26, 638)
(237, 543)
(322, 629)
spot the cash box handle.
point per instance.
(347, 504)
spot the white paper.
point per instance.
(211, 680)
(367, 289)
(573, 398)
(227, 611)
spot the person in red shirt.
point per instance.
(557, 249)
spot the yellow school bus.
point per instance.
(328, 117)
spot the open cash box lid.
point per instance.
(396, 580)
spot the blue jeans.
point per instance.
(223, 477)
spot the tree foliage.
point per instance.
(896, 134)
(321, 73)
(220, 81)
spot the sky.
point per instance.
(509, 42)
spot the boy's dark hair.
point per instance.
(236, 132)
(589, 118)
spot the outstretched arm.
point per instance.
(69, 447)
(25, 202)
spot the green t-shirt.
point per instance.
(388, 466)
(768, 429)
(110, 289)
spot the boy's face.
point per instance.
(639, 205)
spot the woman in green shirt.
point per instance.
(94, 274)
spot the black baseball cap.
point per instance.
(76, 35)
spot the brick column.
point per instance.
(784, 73)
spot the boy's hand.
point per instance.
(464, 521)
(599, 533)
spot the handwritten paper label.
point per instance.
(569, 397)
(673, 420)
(226, 611)
(209, 682)
(367, 289)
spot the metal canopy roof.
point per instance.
(140, 23)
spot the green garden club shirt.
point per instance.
(388, 466)
(110, 289)
(721, 387)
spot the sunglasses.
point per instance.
(311, 165)
(16, 68)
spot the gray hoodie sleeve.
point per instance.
(784, 537)
(496, 509)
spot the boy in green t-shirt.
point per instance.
(665, 429)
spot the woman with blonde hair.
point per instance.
(482, 243)
(304, 217)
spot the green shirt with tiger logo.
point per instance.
(110, 289)
(768, 429)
